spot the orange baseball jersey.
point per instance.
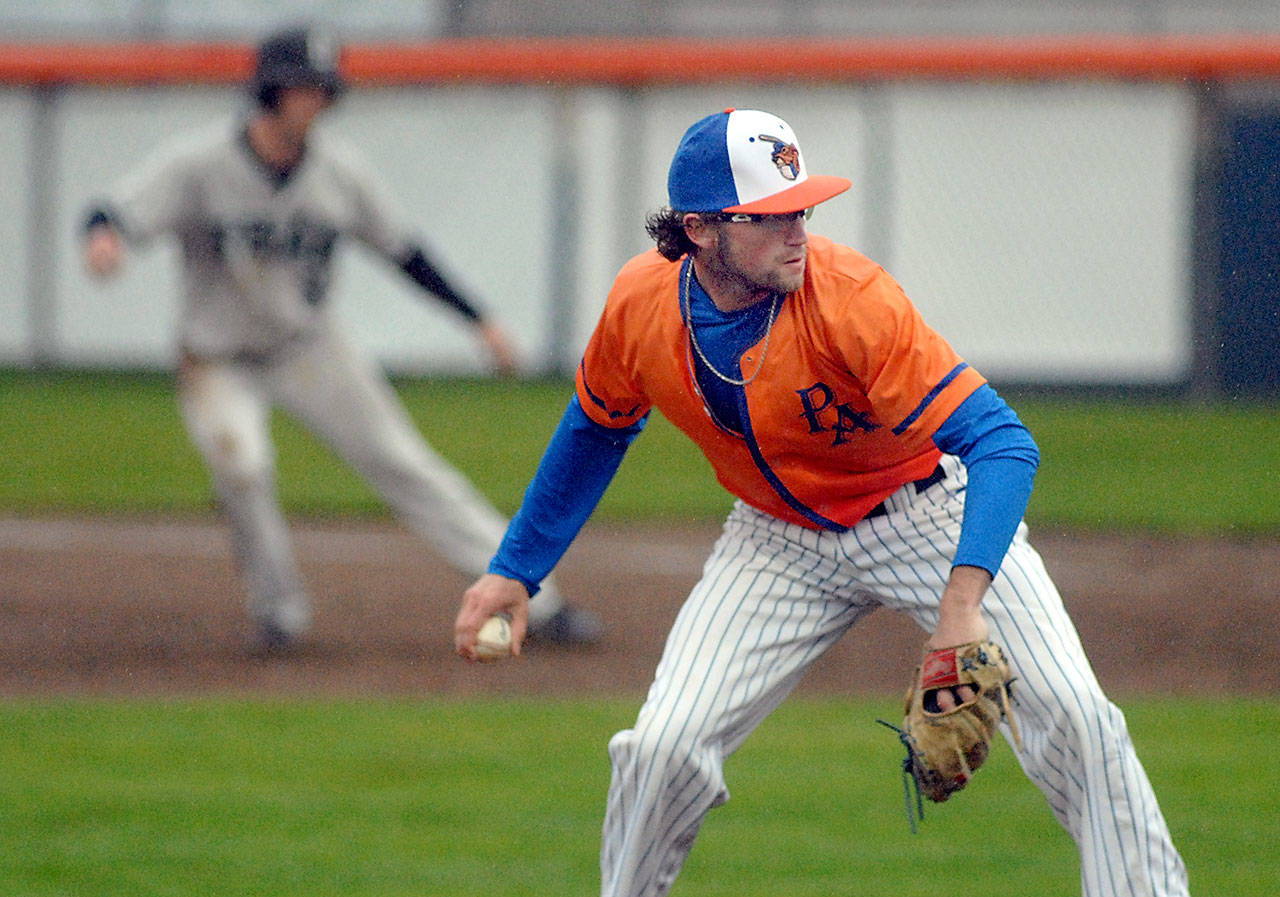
(842, 414)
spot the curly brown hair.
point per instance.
(666, 227)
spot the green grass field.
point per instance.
(109, 442)
(356, 799)
(236, 796)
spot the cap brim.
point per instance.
(805, 195)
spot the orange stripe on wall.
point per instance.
(124, 63)
(640, 62)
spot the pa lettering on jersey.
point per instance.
(825, 414)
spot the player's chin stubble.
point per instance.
(778, 278)
(785, 278)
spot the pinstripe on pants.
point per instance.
(774, 596)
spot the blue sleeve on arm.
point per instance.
(1001, 458)
(576, 468)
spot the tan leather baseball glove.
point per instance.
(946, 747)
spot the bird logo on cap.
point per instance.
(786, 156)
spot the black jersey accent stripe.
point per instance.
(599, 402)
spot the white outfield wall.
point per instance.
(1045, 227)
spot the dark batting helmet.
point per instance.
(298, 57)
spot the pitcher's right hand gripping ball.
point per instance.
(494, 639)
(946, 747)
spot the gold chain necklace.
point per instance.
(768, 333)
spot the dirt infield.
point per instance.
(152, 607)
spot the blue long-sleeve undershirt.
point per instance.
(1001, 459)
(576, 468)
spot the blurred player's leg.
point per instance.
(346, 401)
(227, 417)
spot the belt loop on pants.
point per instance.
(920, 485)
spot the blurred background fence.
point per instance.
(1076, 193)
(433, 19)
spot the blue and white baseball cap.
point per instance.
(744, 160)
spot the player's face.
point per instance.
(298, 108)
(760, 256)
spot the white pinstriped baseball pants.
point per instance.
(774, 596)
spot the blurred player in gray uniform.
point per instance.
(258, 211)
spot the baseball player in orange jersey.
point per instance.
(873, 468)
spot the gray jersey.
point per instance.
(257, 250)
(257, 254)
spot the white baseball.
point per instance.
(494, 639)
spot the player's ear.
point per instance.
(700, 231)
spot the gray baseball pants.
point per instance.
(346, 402)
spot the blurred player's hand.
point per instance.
(500, 351)
(103, 251)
